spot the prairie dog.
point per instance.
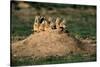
(60, 30)
(62, 24)
(58, 21)
(36, 27)
(48, 23)
(36, 24)
(53, 25)
(42, 26)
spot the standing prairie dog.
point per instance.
(58, 21)
(42, 26)
(61, 27)
(36, 27)
(62, 24)
(36, 24)
(47, 25)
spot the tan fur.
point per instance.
(53, 25)
(58, 21)
(36, 27)
(60, 30)
(42, 26)
(47, 25)
(49, 19)
(62, 24)
(36, 24)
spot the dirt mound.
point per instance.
(45, 44)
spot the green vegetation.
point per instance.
(54, 60)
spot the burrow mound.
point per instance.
(45, 44)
